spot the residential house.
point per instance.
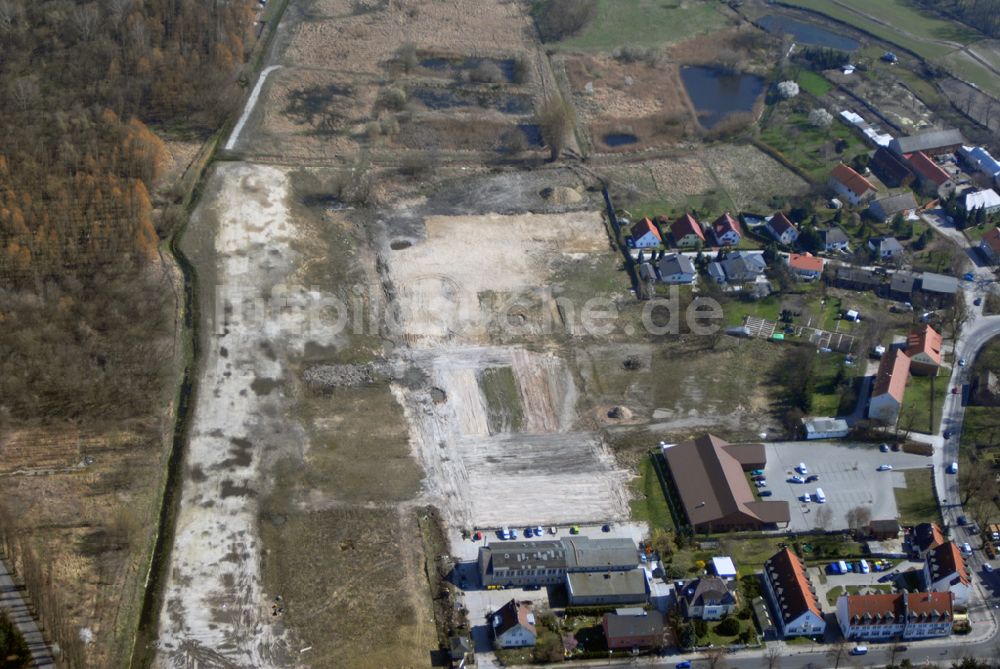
(891, 168)
(924, 538)
(980, 160)
(885, 248)
(513, 625)
(987, 200)
(932, 142)
(462, 652)
(834, 239)
(890, 385)
(645, 235)
(726, 230)
(716, 272)
(917, 615)
(923, 347)
(931, 177)
(707, 598)
(743, 267)
(989, 246)
(937, 290)
(782, 229)
(854, 278)
(598, 588)
(901, 286)
(686, 232)
(886, 208)
(676, 268)
(945, 571)
(850, 185)
(633, 629)
(805, 265)
(825, 428)
(792, 596)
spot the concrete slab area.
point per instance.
(847, 474)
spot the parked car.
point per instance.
(812, 477)
(683, 665)
(956, 390)
(552, 530)
(968, 276)
(513, 534)
(539, 531)
(953, 467)
(885, 468)
(757, 472)
(865, 569)
(961, 362)
(765, 493)
(575, 529)
(962, 520)
(966, 548)
(988, 568)
(759, 477)
(806, 497)
(978, 301)
(884, 448)
(796, 479)
(802, 468)
(947, 434)
(859, 650)
(761, 484)
(606, 528)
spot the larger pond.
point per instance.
(807, 33)
(717, 94)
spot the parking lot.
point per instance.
(847, 474)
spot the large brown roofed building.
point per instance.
(708, 475)
(792, 596)
(890, 385)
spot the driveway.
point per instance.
(848, 476)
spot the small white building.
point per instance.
(825, 428)
(988, 200)
(723, 567)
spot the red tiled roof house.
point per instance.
(890, 385)
(645, 235)
(805, 265)
(945, 571)
(686, 232)
(923, 348)
(850, 185)
(726, 230)
(792, 596)
(989, 246)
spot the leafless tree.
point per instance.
(823, 517)
(556, 120)
(772, 657)
(85, 19)
(858, 517)
(24, 90)
(837, 652)
(715, 658)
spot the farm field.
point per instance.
(645, 23)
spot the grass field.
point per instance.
(814, 84)
(505, 413)
(736, 311)
(916, 502)
(649, 503)
(646, 23)
(922, 407)
(926, 31)
(810, 148)
(836, 591)
(826, 398)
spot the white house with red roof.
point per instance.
(945, 571)
(726, 230)
(850, 185)
(686, 232)
(989, 245)
(645, 235)
(513, 625)
(805, 265)
(885, 617)
(782, 229)
(792, 596)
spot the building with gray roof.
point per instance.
(932, 142)
(607, 587)
(547, 562)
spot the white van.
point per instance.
(859, 650)
(806, 497)
(953, 468)
(820, 496)
(802, 468)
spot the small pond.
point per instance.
(807, 33)
(717, 94)
(614, 139)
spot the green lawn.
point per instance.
(916, 502)
(646, 23)
(735, 311)
(927, 29)
(826, 398)
(969, 69)
(836, 591)
(803, 144)
(649, 504)
(922, 409)
(814, 84)
(712, 637)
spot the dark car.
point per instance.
(812, 477)
(760, 477)
(962, 520)
(765, 493)
(606, 528)
(977, 301)
(947, 434)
